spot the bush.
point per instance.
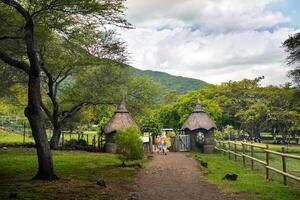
(75, 144)
(129, 144)
(218, 135)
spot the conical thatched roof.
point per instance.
(198, 120)
(120, 120)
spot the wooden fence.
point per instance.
(95, 141)
(231, 148)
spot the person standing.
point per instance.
(157, 144)
(164, 146)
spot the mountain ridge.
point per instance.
(171, 82)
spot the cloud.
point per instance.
(216, 41)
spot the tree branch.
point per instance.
(18, 7)
(47, 111)
(67, 73)
(10, 38)
(51, 93)
(15, 63)
(69, 113)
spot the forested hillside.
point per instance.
(171, 82)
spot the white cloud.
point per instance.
(216, 41)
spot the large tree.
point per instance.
(20, 21)
(292, 46)
(84, 54)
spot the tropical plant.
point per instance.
(129, 144)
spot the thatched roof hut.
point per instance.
(120, 120)
(199, 119)
(200, 128)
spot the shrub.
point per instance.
(75, 144)
(129, 144)
(218, 135)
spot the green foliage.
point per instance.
(244, 106)
(228, 129)
(292, 45)
(169, 116)
(142, 95)
(151, 125)
(129, 144)
(218, 135)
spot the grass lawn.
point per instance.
(78, 172)
(293, 165)
(7, 136)
(249, 181)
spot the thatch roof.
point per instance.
(120, 120)
(198, 120)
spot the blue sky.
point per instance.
(212, 40)
(290, 8)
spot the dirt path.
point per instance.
(176, 176)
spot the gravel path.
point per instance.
(175, 176)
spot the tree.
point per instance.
(254, 119)
(292, 47)
(63, 60)
(143, 95)
(151, 125)
(169, 117)
(20, 21)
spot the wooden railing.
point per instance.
(231, 148)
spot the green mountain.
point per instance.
(171, 82)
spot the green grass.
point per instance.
(275, 147)
(249, 181)
(78, 172)
(293, 165)
(7, 136)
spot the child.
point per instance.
(157, 144)
(164, 146)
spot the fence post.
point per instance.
(243, 155)
(267, 162)
(94, 141)
(229, 149)
(78, 137)
(24, 132)
(99, 142)
(252, 155)
(235, 156)
(284, 167)
(63, 138)
(87, 139)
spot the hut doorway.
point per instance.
(200, 139)
(200, 128)
(180, 143)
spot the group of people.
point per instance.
(161, 145)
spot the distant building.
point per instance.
(120, 120)
(200, 128)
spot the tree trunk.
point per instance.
(54, 142)
(34, 114)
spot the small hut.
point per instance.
(200, 128)
(120, 120)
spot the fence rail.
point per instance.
(230, 147)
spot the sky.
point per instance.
(212, 40)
